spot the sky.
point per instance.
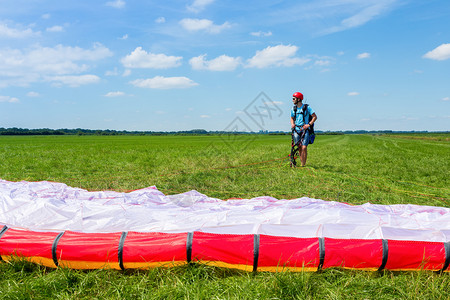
(224, 65)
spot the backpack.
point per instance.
(312, 135)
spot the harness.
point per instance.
(304, 112)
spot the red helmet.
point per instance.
(298, 95)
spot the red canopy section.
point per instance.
(249, 252)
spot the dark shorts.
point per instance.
(303, 137)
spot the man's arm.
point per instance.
(314, 118)
(292, 123)
(311, 122)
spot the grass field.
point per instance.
(355, 169)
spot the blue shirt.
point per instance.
(299, 120)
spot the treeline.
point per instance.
(80, 131)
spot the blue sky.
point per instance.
(181, 65)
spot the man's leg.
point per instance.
(303, 155)
(303, 148)
(296, 141)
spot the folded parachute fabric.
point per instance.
(57, 225)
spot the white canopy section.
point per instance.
(50, 206)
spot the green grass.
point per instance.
(355, 169)
(24, 280)
(350, 168)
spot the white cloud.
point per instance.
(142, 59)
(205, 116)
(221, 63)
(322, 62)
(330, 16)
(33, 94)
(363, 55)
(366, 14)
(353, 94)
(199, 5)
(160, 82)
(124, 37)
(46, 16)
(439, 53)
(407, 118)
(55, 28)
(160, 20)
(360, 12)
(273, 103)
(280, 55)
(116, 4)
(60, 59)
(203, 25)
(73, 80)
(21, 67)
(8, 99)
(126, 73)
(8, 32)
(114, 72)
(114, 94)
(446, 99)
(261, 33)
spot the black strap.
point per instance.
(190, 238)
(255, 252)
(2, 232)
(54, 246)
(4, 229)
(120, 250)
(321, 253)
(385, 254)
(304, 112)
(447, 256)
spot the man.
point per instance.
(301, 122)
